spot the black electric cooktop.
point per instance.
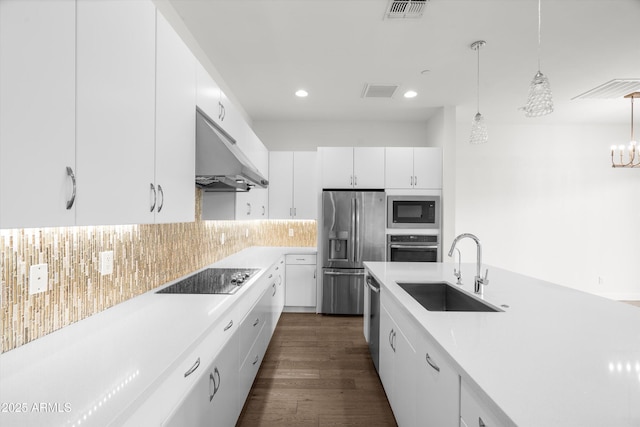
(212, 281)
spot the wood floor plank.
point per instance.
(317, 372)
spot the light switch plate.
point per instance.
(38, 275)
(222, 239)
(106, 263)
(291, 232)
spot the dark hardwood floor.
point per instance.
(317, 372)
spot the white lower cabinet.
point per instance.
(474, 412)
(213, 400)
(437, 386)
(397, 369)
(301, 273)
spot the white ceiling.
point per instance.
(267, 49)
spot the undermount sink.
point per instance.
(441, 296)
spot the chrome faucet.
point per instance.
(479, 280)
(458, 271)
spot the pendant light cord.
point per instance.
(478, 74)
(539, 26)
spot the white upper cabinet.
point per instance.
(352, 167)
(37, 113)
(208, 94)
(115, 112)
(216, 104)
(413, 167)
(175, 127)
(293, 185)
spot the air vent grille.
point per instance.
(405, 9)
(613, 89)
(379, 90)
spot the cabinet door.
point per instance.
(437, 386)
(280, 184)
(233, 123)
(368, 167)
(175, 127)
(37, 112)
(115, 111)
(403, 400)
(398, 167)
(427, 167)
(337, 167)
(305, 185)
(387, 354)
(473, 411)
(213, 401)
(208, 94)
(301, 285)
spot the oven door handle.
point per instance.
(413, 246)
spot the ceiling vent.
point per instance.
(613, 89)
(405, 9)
(379, 91)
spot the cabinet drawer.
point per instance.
(301, 259)
(251, 365)
(251, 326)
(476, 410)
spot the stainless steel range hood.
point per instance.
(220, 164)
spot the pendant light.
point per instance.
(539, 101)
(479, 126)
(633, 152)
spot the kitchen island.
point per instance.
(127, 365)
(553, 356)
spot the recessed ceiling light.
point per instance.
(301, 93)
(410, 94)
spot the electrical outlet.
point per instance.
(291, 232)
(38, 275)
(246, 232)
(222, 239)
(106, 263)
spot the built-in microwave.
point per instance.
(413, 212)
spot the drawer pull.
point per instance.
(256, 360)
(213, 385)
(229, 325)
(432, 363)
(256, 322)
(270, 276)
(192, 368)
(71, 175)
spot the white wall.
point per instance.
(545, 202)
(308, 135)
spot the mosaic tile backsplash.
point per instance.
(145, 257)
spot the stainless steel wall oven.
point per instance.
(413, 248)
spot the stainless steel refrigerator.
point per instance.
(353, 231)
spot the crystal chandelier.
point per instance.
(479, 133)
(633, 149)
(539, 102)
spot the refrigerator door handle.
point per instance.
(356, 231)
(353, 230)
(340, 273)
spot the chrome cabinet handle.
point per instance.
(223, 111)
(212, 381)
(153, 206)
(256, 360)
(432, 363)
(411, 181)
(274, 290)
(315, 272)
(355, 180)
(263, 210)
(415, 180)
(270, 276)
(192, 368)
(351, 180)
(373, 288)
(162, 199)
(256, 322)
(229, 325)
(295, 212)
(248, 208)
(337, 273)
(71, 175)
(391, 340)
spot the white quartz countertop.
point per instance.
(555, 357)
(90, 372)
